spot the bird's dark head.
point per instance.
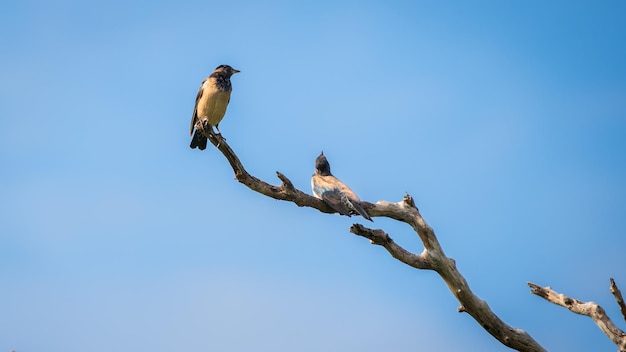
(225, 70)
(322, 167)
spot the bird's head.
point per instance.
(322, 167)
(225, 70)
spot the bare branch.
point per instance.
(590, 309)
(381, 238)
(286, 191)
(618, 297)
(432, 258)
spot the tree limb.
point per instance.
(590, 309)
(432, 258)
(618, 297)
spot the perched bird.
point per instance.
(333, 192)
(211, 104)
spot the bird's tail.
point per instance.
(359, 209)
(198, 141)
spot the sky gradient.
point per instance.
(506, 121)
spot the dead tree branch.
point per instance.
(590, 309)
(432, 257)
(618, 297)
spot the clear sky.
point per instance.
(505, 120)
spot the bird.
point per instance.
(211, 103)
(333, 192)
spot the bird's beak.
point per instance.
(235, 71)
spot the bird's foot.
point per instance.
(218, 136)
(201, 125)
(219, 140)
(219, 133)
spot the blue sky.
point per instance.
(506, 121)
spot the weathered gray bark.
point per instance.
(618, 297)
(590, 309)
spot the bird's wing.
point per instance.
(194, 117)
(333, 198)
(354, 200)
(327, 188)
